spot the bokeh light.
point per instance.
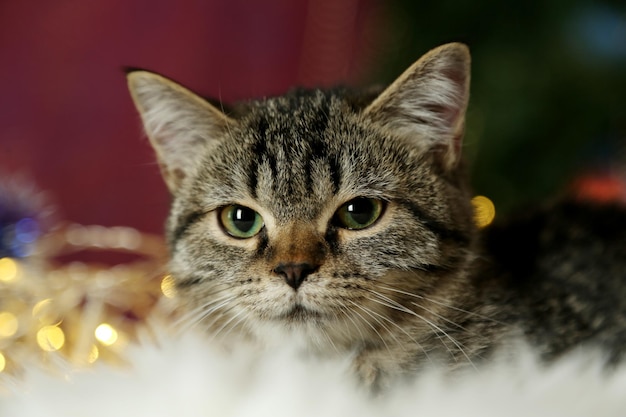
(26, 230)
(168, 287)
(8, 324)
(3, 362)
(50, 338)
(44, 312)
(106, 334)
(8, 269)
(484, 210)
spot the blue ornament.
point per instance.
(20, 224)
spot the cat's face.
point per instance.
(311, 211)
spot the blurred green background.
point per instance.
(548, 99)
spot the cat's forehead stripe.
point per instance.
(289, 138)
(259, 152)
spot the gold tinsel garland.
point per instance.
(56, 314)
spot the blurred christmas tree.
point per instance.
(547, 87)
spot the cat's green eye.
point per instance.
(359, 213)
(241, 222)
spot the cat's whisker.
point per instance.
(420, 306)
(243, 318)
(450, 306)
(211, 300)
(404, 309)
(395, 305)
(201, 309)
(456, 343)
(191, 316)
(434, 313)
(400, 308)
(345, 311)
(205, 312)
(372, 314)
(364, 320)
(241, 314)
(328, 338)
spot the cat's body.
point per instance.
(345, 221)
(564, 270)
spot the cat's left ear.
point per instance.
(181, 126)
(427, 103)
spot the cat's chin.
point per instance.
(299, 314)
(298, 327)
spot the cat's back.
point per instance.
(565, 267)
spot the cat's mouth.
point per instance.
(299, 313)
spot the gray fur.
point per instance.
(420, 286)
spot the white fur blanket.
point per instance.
(185, 377)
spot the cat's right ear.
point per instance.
(179, 124)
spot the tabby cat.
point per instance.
(343, 219)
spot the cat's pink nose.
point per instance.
(295, 273)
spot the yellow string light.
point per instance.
(8, 324)
(8, 270)
(484, 210)
(168, 287)
(47, 305)
(106, 334)
(50, 338)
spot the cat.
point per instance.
(344, 219)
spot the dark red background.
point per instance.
(67, 122)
